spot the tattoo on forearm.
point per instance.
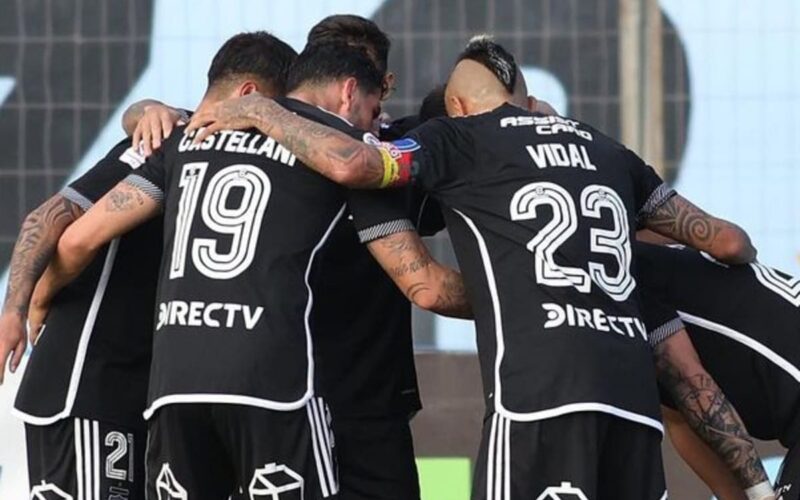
(36, 244)
(123, 198)
(324, 149)
(713, 418)
(411, 256)
(686, 221)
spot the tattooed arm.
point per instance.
(424, 281)
(333, 154)
(119, 211)
(702, 459)
(684, 222)
(35, 246)
(706, 409)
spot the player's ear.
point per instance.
(532, 104)
(388, 85)
(349, 89)
(455, 106)
(247, 88)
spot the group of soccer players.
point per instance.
(220, 307)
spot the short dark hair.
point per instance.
(327, 62)
(256, 53)
(354, 30)
(494, 57)
(433, 105)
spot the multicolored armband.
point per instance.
(398, 162)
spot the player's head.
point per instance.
(433, 105)
(250, 62)
(340, 78)
(360, 32)
(485, 76)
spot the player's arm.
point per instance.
(149, 122)
(702, 459)
(118, 211)
(424, 281)
(35, 245)
(682, 221)
(334, 154)
(708, 412)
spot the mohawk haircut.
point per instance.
(485, 51)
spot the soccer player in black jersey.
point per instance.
(85, 386)
(231, 399)
(541, 211)
(743, 321)
(371, 396)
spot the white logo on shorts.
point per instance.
(564, 492)
(167, 487)
(48, 491)
(272, 480)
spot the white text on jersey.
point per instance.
(561, 155)
(236, 141)
(211, 315)
(595, 319)
(546, 125)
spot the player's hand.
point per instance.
(155, 126)
(240, 113)
(36, 318)
(12, 341)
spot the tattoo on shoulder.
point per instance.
(123, 198)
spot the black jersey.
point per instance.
(744, 322)
(362, 322)
(244, 222)
(541, 211)
(93, 358)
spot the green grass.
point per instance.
(444, 478)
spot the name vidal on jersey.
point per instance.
(212, 315)
(236, 141)
(561, 155)
(595, 319)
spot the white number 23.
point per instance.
(564, 224)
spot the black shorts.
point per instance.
(213, 451)
(376, 459)
(577, 456)
(86, 459)
(787, 487)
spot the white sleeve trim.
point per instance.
(77, 198)
(146, 186)
(657, 198)
(378, 231)
(665, 331)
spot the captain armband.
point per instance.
(398, 161)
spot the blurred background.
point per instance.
(708, 92)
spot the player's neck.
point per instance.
(316, 97)
(208, 101)
(485, 106)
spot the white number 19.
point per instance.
(242, 223)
